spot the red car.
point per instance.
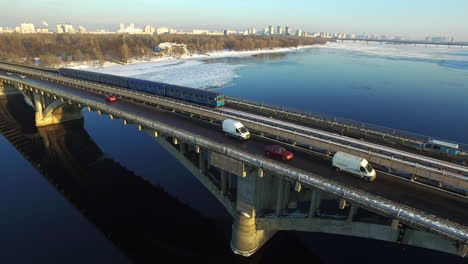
(111, 98)
(278, 151)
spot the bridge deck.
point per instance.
(414, 195)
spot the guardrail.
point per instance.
(408, 215)
(314, 117)
(442, 175)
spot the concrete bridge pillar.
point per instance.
(254, 195)
(224, 182)
(314, 202)
(7, 89)
(246, 239)
(51, 111)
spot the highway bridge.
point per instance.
(418, 199)
(409, 42)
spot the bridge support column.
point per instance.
(314, 202)
(50, 111)
(463, 250)
(352, 212)
(224, 182)
(280, 197)
(201, 161)
(182, 147)
(8, 89)
(253, 196)
(246, 239)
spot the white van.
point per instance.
(236, 129)
(354, 165)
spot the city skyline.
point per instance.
(415, 19)
(131, 28)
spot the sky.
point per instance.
(414, 18)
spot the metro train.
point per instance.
(198, 96)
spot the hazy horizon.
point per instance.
(416, 19)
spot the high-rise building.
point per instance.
(287, 31)
(59, 29)
(271, 30)
(279, 30)
(121, 28)
(67, 28)
(299, 32)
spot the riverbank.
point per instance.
(214, 54)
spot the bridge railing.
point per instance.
(417, 138)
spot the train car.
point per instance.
(86, 75)
(439, 146)
(113, 80)
(147, 86)
(195, 95)
(199, 96)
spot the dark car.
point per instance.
(111, 98)
(278, 151)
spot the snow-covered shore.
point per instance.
(215, 54)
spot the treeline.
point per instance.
(53, 49)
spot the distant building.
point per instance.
(229, 32)
(42, 30)
(299, 32)
(82, 30)
(251, 31)
(1, 30)
(59, 29)
(18, 29)
(130, 29)
(27, 28)
(287, 31)
(271, 30)
(101, 31)
(67, 28)
(163, 30)
(279, 30)
(199, 32)
(148, 29)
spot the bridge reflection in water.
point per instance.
(141, 219)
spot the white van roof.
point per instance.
(235, 123)
(345, 156)
(443, 143)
